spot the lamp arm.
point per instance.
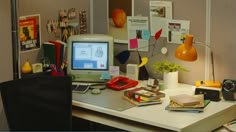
(202, 44)
(212, 58)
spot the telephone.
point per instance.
(121, 82)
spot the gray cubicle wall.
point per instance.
(48, 10)
(6, 67)
(223, 32)
(193, 10)
(221, 35)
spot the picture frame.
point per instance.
(29, 33)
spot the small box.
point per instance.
(37, 67)
(132, 71)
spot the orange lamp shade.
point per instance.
(186, 51)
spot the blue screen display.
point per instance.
(90, 55)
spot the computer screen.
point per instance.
(89, 55)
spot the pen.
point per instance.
(231, 123)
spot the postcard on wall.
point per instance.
(138, 33)
(160, 12)
(29, 32)
(177, 30)
(118, 12)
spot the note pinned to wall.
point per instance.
(177, 30)
(138, 35)
(160, 12)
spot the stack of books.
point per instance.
(188, 103)
(142, 96)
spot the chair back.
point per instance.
(38, 103)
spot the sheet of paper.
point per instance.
(137, 33)
(177, 30)
(160, 12)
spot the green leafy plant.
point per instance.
(167, 66)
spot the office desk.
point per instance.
(155, 117)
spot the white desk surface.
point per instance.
(155, 117)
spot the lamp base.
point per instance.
(208, 83)
(143, 73)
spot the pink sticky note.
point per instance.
(133, 43)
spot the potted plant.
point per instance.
(170, 72)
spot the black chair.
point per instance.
(38, 103)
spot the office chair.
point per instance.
(38, 103)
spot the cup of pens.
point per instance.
(56, 71)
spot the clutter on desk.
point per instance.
(231, 125)
(229, 89)
(209, 93)
(26, 67)
(56, 71)
(142, 96)
(121, 82)
(187, 103)
(208, 83)
(80, 88)
(37, 67)
(153, 83)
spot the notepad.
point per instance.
(185, 100)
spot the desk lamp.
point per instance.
(187, 52)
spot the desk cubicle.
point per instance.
(110, 109)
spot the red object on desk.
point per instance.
(56, 72)
(120, 83)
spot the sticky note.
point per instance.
(133, 43)
(146, 34)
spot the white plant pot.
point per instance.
(170, 79)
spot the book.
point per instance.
(49, 50)
(59, 52)
(136, 103)
(188, 100)
(142, 94)
(187, 109)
